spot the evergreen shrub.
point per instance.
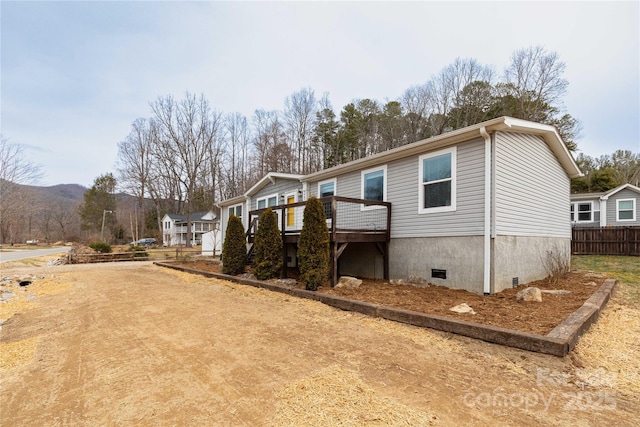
(313, 246)
(267, 259)
(234, 249)
(103, 248)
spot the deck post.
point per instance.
(334, 263)
(283, 223)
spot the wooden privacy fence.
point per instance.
(606, 241)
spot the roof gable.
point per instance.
(620, 188)
(271, 178)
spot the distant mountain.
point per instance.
(62, 191)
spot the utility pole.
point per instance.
(104, 213)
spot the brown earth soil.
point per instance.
(134, 344)
(501, 309)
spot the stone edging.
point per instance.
(559, 342)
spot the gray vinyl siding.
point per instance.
(466, 220)
(612, 204)
(403, 186)
(224, 217)
(280, 187)
(531, 188)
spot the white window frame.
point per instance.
(454, 181)
(235, 210)
(633, 210)
(382, 168)
(266, 199)
(333, 181)
(576, 212)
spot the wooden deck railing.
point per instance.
(348, 220)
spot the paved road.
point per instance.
(30, 253)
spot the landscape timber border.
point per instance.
(559, 342)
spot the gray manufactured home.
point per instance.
(616, 207)
(480, 208)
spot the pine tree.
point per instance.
(313, 247)
(234, 250)
(267, 247)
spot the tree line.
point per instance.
(188, 155)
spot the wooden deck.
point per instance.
(348, 220)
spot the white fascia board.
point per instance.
(550, 135)
(271, 177)
(233, 201)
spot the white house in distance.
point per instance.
(617, 207)
(477, 208)
(174, 228)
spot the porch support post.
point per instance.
(283, 222)
(334, 263)
(383, 249)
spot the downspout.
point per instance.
(487, 211)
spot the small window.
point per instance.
(626, 209)
(267, 202)
(573, 208)
(437, 191)
(326, 189)
(585, 212)
(235, 210)
(374, 184)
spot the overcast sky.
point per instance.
(75, 75)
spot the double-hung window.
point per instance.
(582, 212)
(626, 209)
(437, 191)
(326, 189)
(268, 201)
(235, 210)
(374, 184)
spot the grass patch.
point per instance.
(624, 268)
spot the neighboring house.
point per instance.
(175, 232)
(480, 208)
(617, 207)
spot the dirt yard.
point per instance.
(137, 344)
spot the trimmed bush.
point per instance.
(103, 248)
(313, 246)
(234, 250)
(267, 249)
(138, 251)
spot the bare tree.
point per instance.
(16, 171)
(236, 174)
(299, 114)
(535, 80)
(186, 131)
(417, 102)
(626, 167)
(134, 165)
(272, 154)
(448, 88)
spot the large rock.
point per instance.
(529, 294)
(462, 308)
(556, 291)
(348, 282)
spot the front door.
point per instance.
(290, 211)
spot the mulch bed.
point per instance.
(501, 309)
